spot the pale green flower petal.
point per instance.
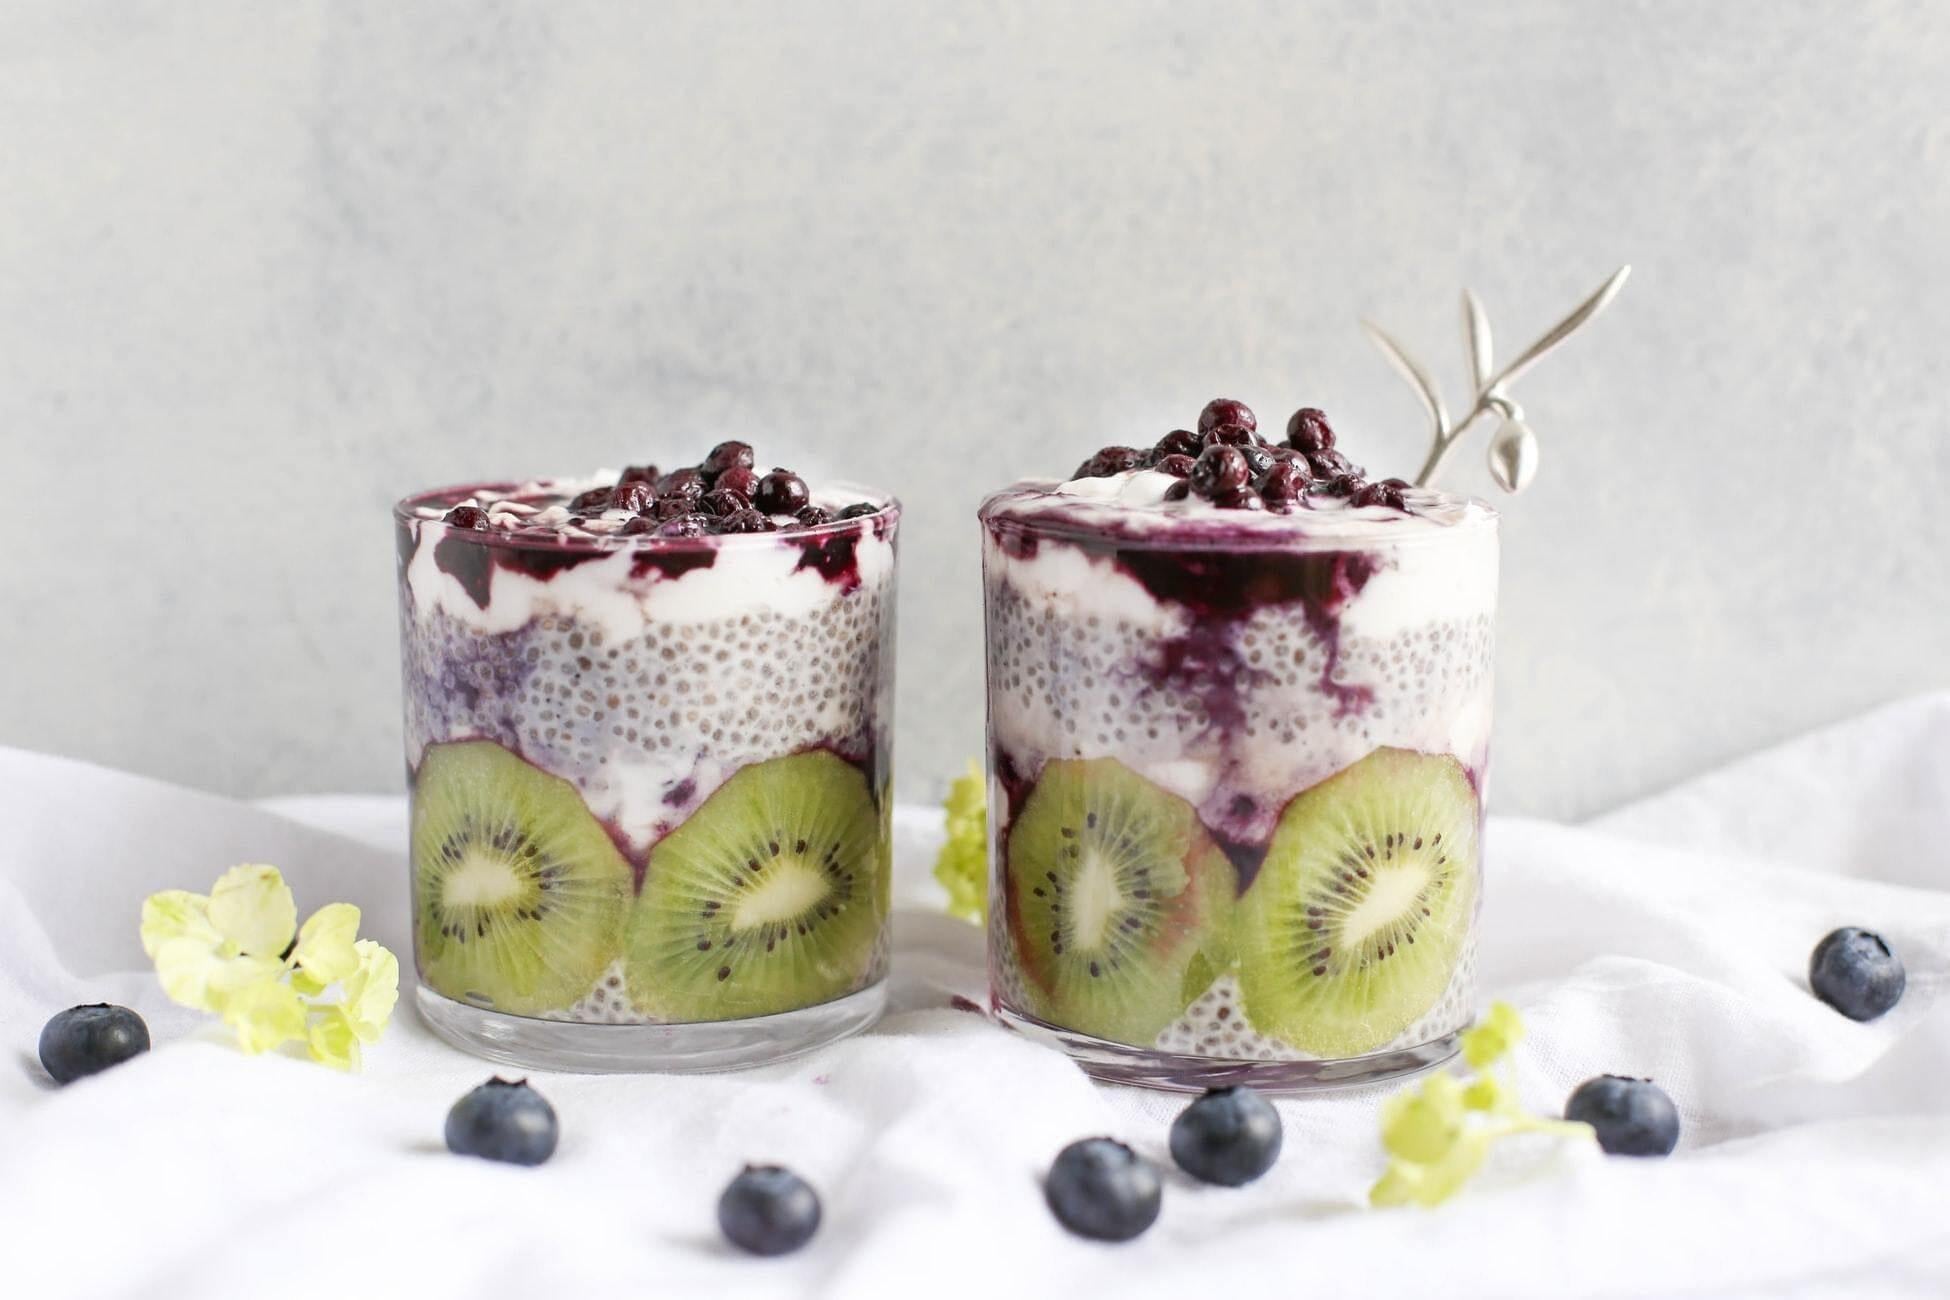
(325, 951)
(177, 914)
(186, 968)
(1423, 1125)
(266, 1015)
(372, 991)
(253, 909)
(1501, 1030)
(333, 1041)
(962, 865)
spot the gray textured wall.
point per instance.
(264, 267)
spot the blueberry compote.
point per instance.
(648, 737)
(1239, 717)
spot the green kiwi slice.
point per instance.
(770, 897)
(1355, 923)
(1114, 891)
(519, 893)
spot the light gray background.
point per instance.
(263, 267)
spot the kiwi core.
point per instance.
(1389, 901)
(791, 889)
(482, 879)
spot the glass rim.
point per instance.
(1241, 535)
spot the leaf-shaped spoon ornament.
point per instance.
(1513, 449)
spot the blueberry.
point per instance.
(1239, 498)
(1109, 461)
(1309, 431)
(859, 510)
(1218, 469)
(1176, 465)
(638, 474)
(673, 507)
(470, 517)
(727, 455)
(1855, 972)
(640, 525)
(1231, 435)
(687, 525)
(743, 520)
(768, 1210)
(722, 502)
(1633, 1117)
(87, 1040)
(1286, 481)
(504, 1121)
(1178, 491)
(594, 501)
(1258, 460)
(814, 516)
(635, 495)
(685, 483)
(781, 493)
(1100, 1189)
(1179, 442)
(1386, 492)
(1222, 411)
(738, 479)
(1339, 485)
(1230, 1136)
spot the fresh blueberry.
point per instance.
(1855, 972)
(768, 1211)
(1218, 469)
(1632, 1117)
(685, 483)
(504, 1121)
(1239, 498)
(1109, 461)
(1176, 465)
(722, 502)
(859, 510)
(781, 493)
(469, 517)
(1230, 1136)
(739, 479)
(814, 516)
(1222, 411)
(686, 525)
(594, 501)
(727, 455)
(1307, 430)
(87, 1040)
(638, 474)
(1101, 1189)
(1179, 442)
(635, 495)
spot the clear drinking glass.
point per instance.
(651, 785)
(1236, 785)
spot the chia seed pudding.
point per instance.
(648, 725)
(1239, 703)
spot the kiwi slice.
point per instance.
(519, 893)
(1357, 918)
(770, 897)
(1114, 892)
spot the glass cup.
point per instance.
(1237, 773)
(650, 785)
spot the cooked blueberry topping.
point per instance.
(1178, 491)
(1387, 492)
(1284, 481)
(686, 525)
(743, 520)
(814, 516)
(1258, 460)
(1239, 498)
(740, 479)
(1230, 435)
(1222, 411)
(859, 510)
(640, 525)
(1309, 431)
(633, 495)
(470, 517)
(1110, 460)
(781, 493)
(1177, 465)
(638, 474)
(1179, 442)
(1218, 469)
(595, 500)
(1340, 485)
(724, 456)
(682, 483)
(722, 502)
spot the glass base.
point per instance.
(1173, 1072)
(633, 1049)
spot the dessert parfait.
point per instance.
(1239, 719)
(648, 736)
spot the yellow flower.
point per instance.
(231, 951)
(962, 866)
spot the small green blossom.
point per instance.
(1437, 1135)
(239, 952)
(963, 864)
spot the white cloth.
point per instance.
(1669, 939)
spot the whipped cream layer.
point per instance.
(1235, 658)
(645, 670)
